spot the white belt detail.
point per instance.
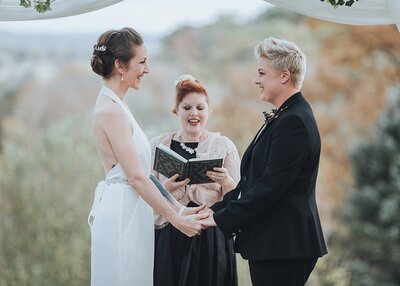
(98, 195)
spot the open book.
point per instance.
(169, 163)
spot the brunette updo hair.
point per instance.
(113, 45)
(187, 84)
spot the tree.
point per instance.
(46, 188)
(356, 67)
(370, 240)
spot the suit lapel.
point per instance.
(249, 149)
(297, 97)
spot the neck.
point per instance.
(284, 96)
(114, 83)
(189, 137)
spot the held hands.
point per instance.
(208, 221)
(195, 219)
(190, 224)
(171, 184)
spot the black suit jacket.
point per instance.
(276, 216)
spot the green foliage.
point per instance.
(7, 100)
(26, 3)
(371, 242)
(40, 6)
(336, 3)
(46, 189)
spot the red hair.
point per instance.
(185, 87)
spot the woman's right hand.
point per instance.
(190, 225)
(172, 185)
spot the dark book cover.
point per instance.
(169, 163)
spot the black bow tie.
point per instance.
(269, 116)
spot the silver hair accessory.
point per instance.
(185, 77)
(99, 48)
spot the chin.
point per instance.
(195, 129)
(265, 98)
(136, 86)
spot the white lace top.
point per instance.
(212, 145)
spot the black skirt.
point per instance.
(207, 259)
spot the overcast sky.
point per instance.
(157, 17)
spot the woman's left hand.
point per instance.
(220, 176)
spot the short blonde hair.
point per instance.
(283, 55)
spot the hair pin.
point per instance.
(99, 48)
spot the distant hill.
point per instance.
(57, 46)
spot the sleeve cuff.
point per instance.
(223, 222)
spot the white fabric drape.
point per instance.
(10, 10)
(363, 12)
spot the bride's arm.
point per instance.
(166, 194)
(118, 131)
(178, 206)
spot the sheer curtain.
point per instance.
(363, 12)
(10, 10)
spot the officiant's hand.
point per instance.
(190, 224)
(172, 185)
(222, 177)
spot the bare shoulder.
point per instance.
(107, 114)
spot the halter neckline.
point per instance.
(111, 94)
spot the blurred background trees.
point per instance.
(44, 199)
(368, 239)
(49, 166)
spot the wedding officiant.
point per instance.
(207, 259)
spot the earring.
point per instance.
(122, 76)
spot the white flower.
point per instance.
(184, 77)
